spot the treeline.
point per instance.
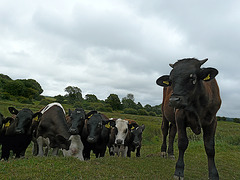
(22, 90)
(29, 90)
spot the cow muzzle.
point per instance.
(119, 141)
(73, 131)
(19, 131)
(177, 102)
(91, 139)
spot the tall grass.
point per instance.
(149, 166)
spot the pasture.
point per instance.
(149, 166)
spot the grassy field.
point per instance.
(149, 166)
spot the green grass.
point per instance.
(149, 166)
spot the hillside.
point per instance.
(149, 166)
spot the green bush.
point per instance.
(24, 100)
(151, 113)
(142, 112)
(45, 102)
(130, 111)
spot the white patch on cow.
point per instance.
(51, 105)
(75, 149)
(122, 131)
(43, 142)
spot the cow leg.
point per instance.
(172, 134)
(129, 151)
(209, 143)
(5, 152)
(55, 151)
(182, 146)
(40, 145)
(138, 151)
(164, 127)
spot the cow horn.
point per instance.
(171, 65)
(203, 61)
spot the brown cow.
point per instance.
(190, 99)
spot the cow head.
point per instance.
(137, 135)
(94, 127)
(186, 79)
(77, 120)
(23, 119)
(121, 130)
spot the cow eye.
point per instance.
(125, 131)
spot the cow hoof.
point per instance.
(172, 157)
(163, 154)
(178, 178)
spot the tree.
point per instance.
(130, 96)
(91, 98)
(114, 101)
(59, 98)
(74, 94)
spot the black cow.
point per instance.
(18, 135)
(76, 120)
(95, 135)
(190, 99)
(53, 127)
(135, 142)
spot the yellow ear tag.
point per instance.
(36, 119)
(108, 125)
(132, 128)
(207, 78)
(166, 82)
(90, 116)
(7, 124)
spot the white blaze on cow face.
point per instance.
(121, 131)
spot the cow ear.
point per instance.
(13, 110)
(69, 112)
(39, 114)
(143, 127)
(208, 74)
(163, 81)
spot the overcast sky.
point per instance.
(119, 46)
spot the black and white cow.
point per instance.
(53, 128)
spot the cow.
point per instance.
(190, 99)
(95, 135)
(122, 137)
(135, 142)
(53, 128)
(18, 135)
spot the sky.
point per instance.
(119, 46)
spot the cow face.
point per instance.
(185, 79)
(94, 128)
(121, 130)
(137, 135)
(77, 119)
(23, 119)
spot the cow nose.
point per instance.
(19, 131)
(119, 141)
(73, 131)
(91, 139)
(174, 101)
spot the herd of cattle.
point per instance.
(76, 134)
(190, 99)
